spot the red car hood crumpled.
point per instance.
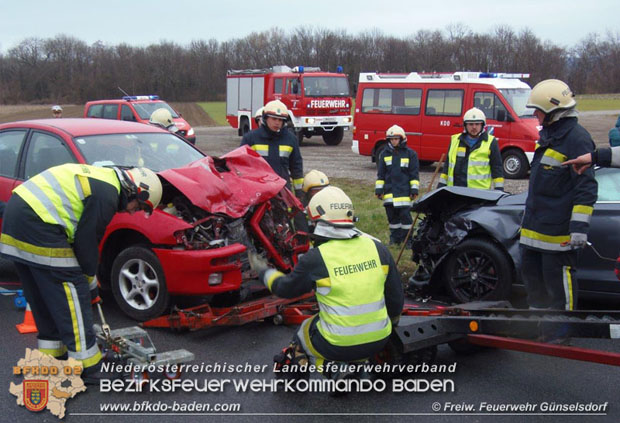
(248, 181)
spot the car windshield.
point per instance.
(145, 110)
(517, 97)
(156, 151)
(326, 86)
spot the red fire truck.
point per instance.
(430, 108)
(319, 102)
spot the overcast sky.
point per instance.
(139, 22)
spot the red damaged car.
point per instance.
(213, 209)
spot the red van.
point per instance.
(430, 108)
(137, 108)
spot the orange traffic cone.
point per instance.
(28, 326)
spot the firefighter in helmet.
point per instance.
(314, 181)
(51, 229)
(474, 159)
(397, 182)
(163, 118)
(356, 282)
(560, 201)
(277, 145)
(56, 111)
(258, 117)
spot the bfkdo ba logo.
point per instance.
(36, 394)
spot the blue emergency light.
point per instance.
(487, 75)
(339, 69)
(140, 97)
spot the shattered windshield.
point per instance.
(517, 97)
(156, 151)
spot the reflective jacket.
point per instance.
(479, 166)
(559, 201)
(63, 214)
(357, 286)
(281, 151)
(397, 176)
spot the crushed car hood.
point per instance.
(230, 184)
(449, 199)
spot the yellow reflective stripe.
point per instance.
(583, 209)
(554, 239)
(568, 288)
(35, 249)
(385, 268)
(414, 183)
(404, 162)
(272, 276)
(54, 352)
(262, 149)
(498, 180)
(324, 282)
(556, 155)
(93, 360)
(379, 183)
(305, 337)
(298, 183)
(286, 148)
(387, 160)
(85, 185)
(74, 317)
(443, 177)
(387, 196)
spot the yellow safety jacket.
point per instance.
(56, 194)
(351, 301)
(478, 165)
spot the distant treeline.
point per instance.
(67, 70)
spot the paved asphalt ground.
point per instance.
(494, 377)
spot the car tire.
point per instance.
(138, 284)
(477, 270)
(514, 164)
(334, 137)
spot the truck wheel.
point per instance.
(334, 137)
(138, 284)
(515, 164)
(478, 271)
(245, 127)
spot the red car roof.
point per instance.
(84, 127)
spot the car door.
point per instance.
(11, 145)
(45, 150)
(443, 109)
(596, 274)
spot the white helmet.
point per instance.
(475, 115)
(332, 206)
(162, 117)
(396, 131)
(56, 108)
(550, 95)
(275, 109)
(142, 184)
(258, 115)
(314, 179)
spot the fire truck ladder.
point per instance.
(494, 324)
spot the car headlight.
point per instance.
(190, 132)
(310, 120)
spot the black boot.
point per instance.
(93, 375)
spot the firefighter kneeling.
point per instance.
(357, 287)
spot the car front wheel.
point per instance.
(138, 284)
(477, 270)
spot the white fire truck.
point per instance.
(319, 102)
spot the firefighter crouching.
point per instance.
(357, 287)
(474, 159)
(397, 182)
(51, 228)
(559, 203)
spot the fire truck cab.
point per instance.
(319, 103)
(430, 107)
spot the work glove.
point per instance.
(257, 262)
(379, 196)
(578, 240)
